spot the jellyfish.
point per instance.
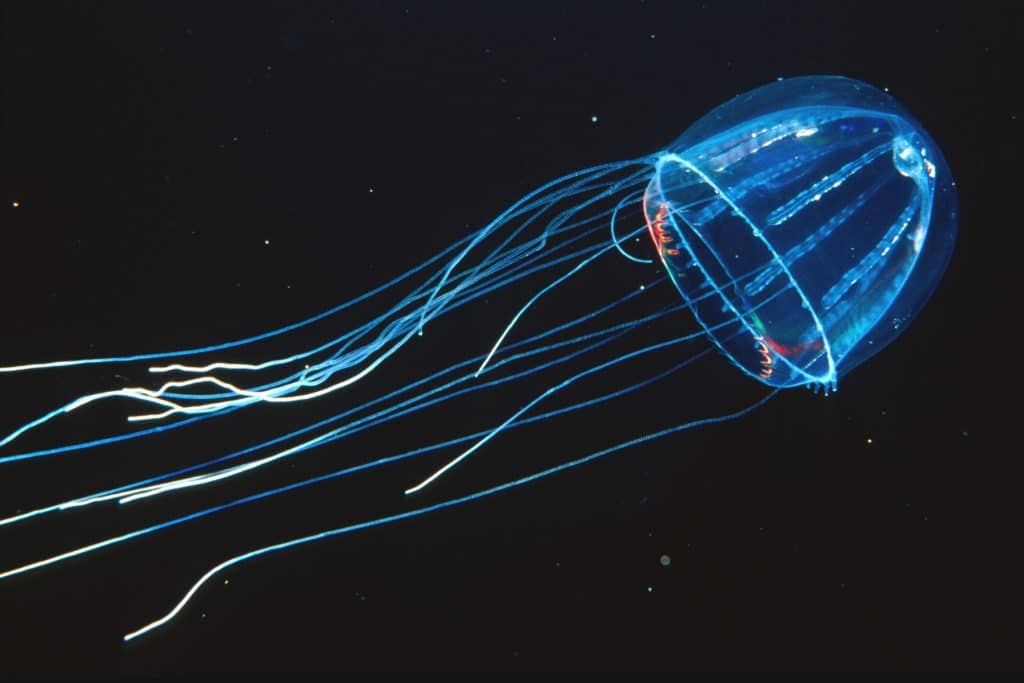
(802, 226)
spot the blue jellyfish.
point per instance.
(804, 224)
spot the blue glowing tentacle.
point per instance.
(247, 340)
(382, 417)
(255, 338)
(151, 396)
(558, 387)
(606, 190)
(336, 474)
(437, 506)
(488, 285)
(611, 228)
(125, 492)
(552, 227)
(475, 291)
(161, 428)
(272, 397)
(385, 415)
(421, 292)
(590, 172)
(556, 224)
(501, 219)
(143, 484)
(412, 405)
(508, 328)
(245, 397)
(401, 409)
(129, 493)
(109, 440)
(144, 394)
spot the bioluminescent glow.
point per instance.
(804, 224)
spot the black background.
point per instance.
(154, 148)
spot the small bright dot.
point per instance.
(266, 241)
(371, 190)
(870, 440)
(652, 36)
(665, 560)
(641, 288)
(593, 118)
(227, 581)
(650, 589)
(15, 204)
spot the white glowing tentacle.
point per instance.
(178, 367)
(532, 300)
(203, 479)
(124, 393)
(188, 596)
(270, 395)
(451, 502)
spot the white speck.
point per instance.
(653, 36)
(593, 118)
(665, 560)
(15, 204)
(266, 241)
(371, 190)
(641, 288)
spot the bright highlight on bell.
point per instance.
(804, 224)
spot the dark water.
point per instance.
(187, 173)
